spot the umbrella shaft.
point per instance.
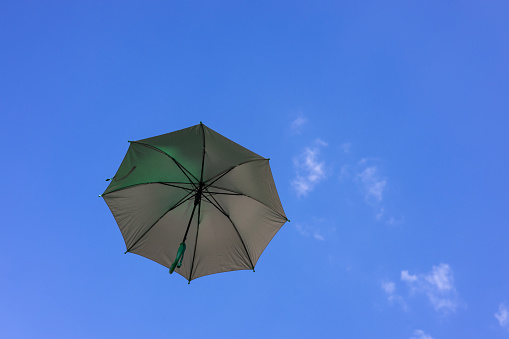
(197, 199)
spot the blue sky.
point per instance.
(386, 125)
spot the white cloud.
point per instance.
(437, 285)
(310, 231)
(407, 277)
(502, 315)
(346, 147)
(301, 229)
(441, 277)
(318, 236)
(419, 334)
(389, 287)
(391, 221)
(297, 125)
(380, 214)
(310, 170)
(373, 185)
(368, 177)
(344, 172)
(320, 142)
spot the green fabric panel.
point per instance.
(144, 165)
(185, 145)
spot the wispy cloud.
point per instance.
(391, 221)
(407, 277)
(437, 285)
(344, 172)
(318, 236)
(419, 334)
(309, 168)
(380, 213)
(372, 183)
(389, 287)
(346, 147)
(310, 231)
(373, 186)
(297, 125)
(502, 316)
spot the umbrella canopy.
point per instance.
(196, 191)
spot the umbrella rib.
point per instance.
(218, 205)
(220, 208)
(223, 193)
(222, 174)
(150, 183)
(189, 196)
(203, 155)
(172, 185)
(179, 165)
(247, 196)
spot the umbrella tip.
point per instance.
(254, 270)
(201, 123)
(189, 282)
(126, 252)
(288, 220)
(100, 195)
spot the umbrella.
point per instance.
(195, 202)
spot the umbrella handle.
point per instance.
(179, 258)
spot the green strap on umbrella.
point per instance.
(179, 258)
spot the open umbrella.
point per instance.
(195, 202)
